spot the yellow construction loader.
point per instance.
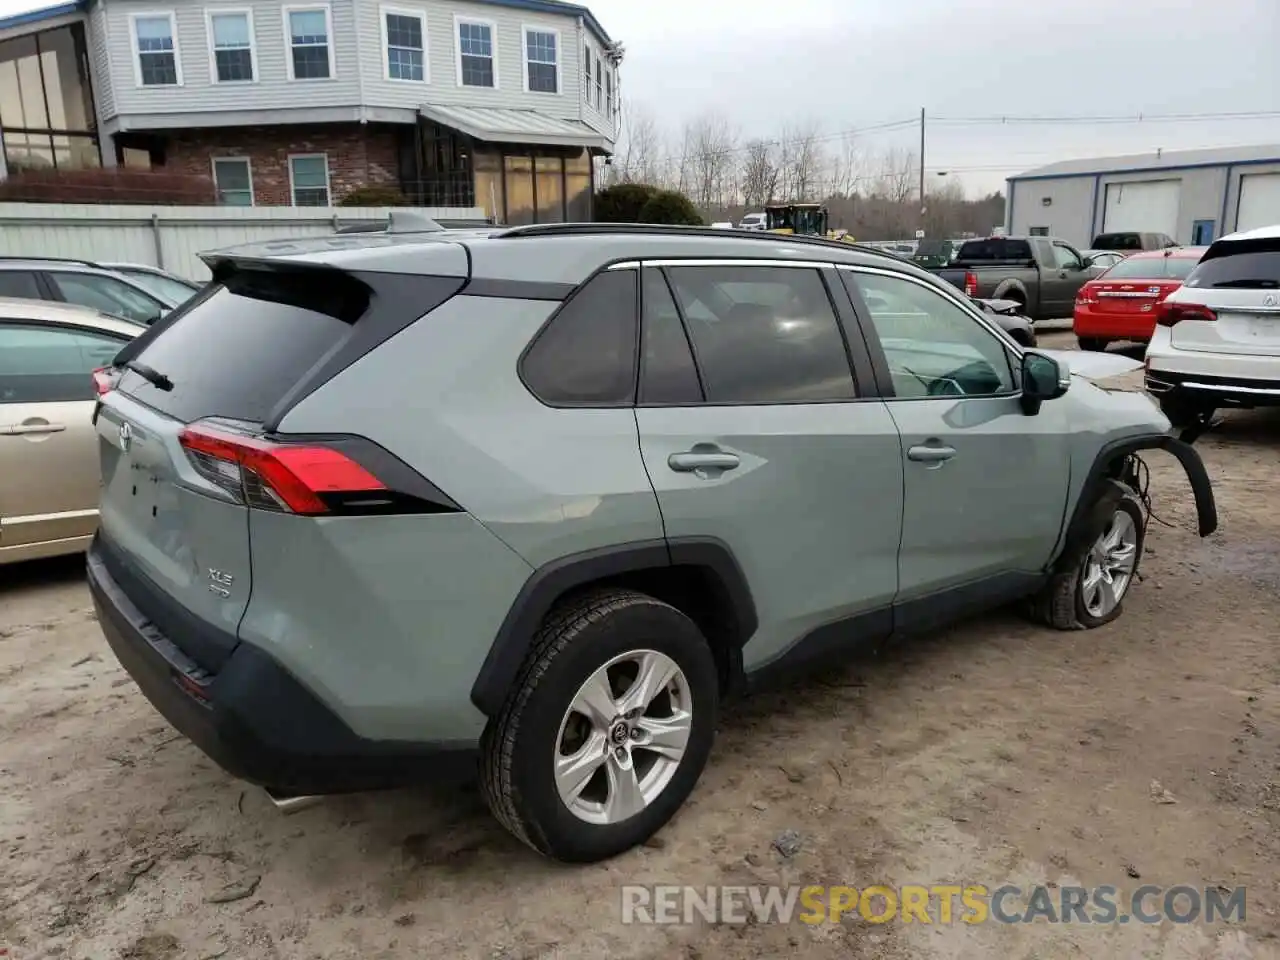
(803, 219)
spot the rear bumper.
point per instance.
(1110, 326)
(253, 718)
(1244, 379)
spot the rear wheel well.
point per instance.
(701, 595)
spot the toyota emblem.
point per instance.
(126, 436)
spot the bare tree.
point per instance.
(802, 160)
(848, 166)
(644, 144)
(709, 144)
(897, 180)
(760, 173)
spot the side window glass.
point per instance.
(934, 348)
(108, 295)
(1066, 257)
(586, 356)
(19, 283)
(667, 372)
(45, 365)
(763, 334)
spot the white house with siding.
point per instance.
(499, 104)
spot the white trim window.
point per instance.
(232, 56)
(404, 44)
(609, 100)
(233, 181)
(541, 60)
(476, 43)
(309, 33)
(154, 36)
(599, 81)
(309, 179)
(586, 72)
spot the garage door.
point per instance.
(1149, 207)
(1259, 201)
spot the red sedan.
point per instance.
(1121, 303)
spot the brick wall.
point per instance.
(358, 155)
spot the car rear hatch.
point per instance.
(1127, 297)
(1236, 286)
(183, 434)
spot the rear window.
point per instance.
(238, 350)
(1152, 268)
(1247, 265)
(996, 248)
(1118, 241)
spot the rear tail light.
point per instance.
(970, 284)
(1084, 298)
(284, 477)
(1169, 314)
(104, 380)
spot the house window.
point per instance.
(231, 33)
(233, 181)
(310, 42)
(608, 91)
(586, 73)
(309, 180)
(404, 39)
(542, 61)
(475, 54)
(599, 81)
(156, 50)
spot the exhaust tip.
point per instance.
(288, 805)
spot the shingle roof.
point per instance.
(1168, 159)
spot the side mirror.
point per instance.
(1043, 378)
(1087, 263)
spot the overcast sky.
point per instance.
(860, 63)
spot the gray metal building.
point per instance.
(1193, 195)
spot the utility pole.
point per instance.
(922, 203)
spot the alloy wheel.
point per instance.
(1109, 566)
(623, 737)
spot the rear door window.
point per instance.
(237, 351)
(108, 295)
(668, 376)
(763, 334)
(42, 364)
(21, 284)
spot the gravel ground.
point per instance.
(1145, 752)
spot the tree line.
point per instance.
(874, 194)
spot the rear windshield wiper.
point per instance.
(149, 374)
(1256, 283)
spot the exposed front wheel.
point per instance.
(1088, 588)
(608, 730)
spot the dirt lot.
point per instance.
(993, 753)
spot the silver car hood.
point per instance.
(1094, 366)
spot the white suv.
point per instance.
(1217, 338)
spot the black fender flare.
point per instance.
(549, 583)
(1088, 516)
(1002, 289)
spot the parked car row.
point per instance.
(60, 320)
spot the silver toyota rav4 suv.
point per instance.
(384, 508)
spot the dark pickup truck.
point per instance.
(1043, 274)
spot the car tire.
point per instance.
(602, 633)
(1093, 344)
(1182, 410)
(1069, 601)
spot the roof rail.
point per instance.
(671, 230)
(83, 263)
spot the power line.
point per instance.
(1115, 118)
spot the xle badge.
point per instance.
(220, 583)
